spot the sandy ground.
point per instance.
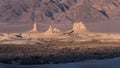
(108, 63)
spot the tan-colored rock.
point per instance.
(35, 28)
(52, 30)
(79, 28)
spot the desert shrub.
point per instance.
(58, 52)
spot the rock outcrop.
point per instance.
(52, 30)
(79, 28)
(35, 28)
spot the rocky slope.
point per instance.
(58, 11)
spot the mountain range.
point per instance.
(59, 11)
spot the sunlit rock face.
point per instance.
(79, 28)
(52, 30)
(35, 28)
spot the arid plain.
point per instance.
(56, 46)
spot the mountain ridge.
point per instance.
(58, 11)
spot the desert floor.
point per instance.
(55, 52)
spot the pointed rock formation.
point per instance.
(35, 28)
(56, 30)
(79, 28)
(52, 30)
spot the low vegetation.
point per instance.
(58, 52)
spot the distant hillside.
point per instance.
(58, 11)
